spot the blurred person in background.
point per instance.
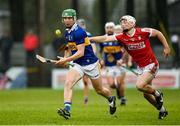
(6, 44)
(86, 80)
(118, 29)
(126, 60)
(137, 44)
(175, 43)
(112, 55)
(30, 43)
(85, 63)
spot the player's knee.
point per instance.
(99, 91)
(140, 87)
(121, 82)
(85, 83)
(68, 83)
(111, 85)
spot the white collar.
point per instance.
(132, 33)
(72, 28)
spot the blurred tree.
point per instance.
(162, 13)
(75, 5)
(31, 15)
(130, 7)
(41, 31)
(17, 18)
(161, 16)
(102, 14)
(149, 12)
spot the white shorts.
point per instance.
(92, 70)
(151, 68)
(114, 71)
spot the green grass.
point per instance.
(38, 106)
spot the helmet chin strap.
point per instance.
(110, 34)
(126, 30)
(68, 28)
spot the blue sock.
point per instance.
(67, 106)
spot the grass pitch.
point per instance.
(38, 107)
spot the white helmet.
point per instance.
(117, 29)
(81, 22)
(128, 18)
(109, 24)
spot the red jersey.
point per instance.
(138, 46)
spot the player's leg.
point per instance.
(86, 82)
(96, 80)
(71, 79)
(105, 92)
(142, 83)
(155, 97)
(110, 81)
(153, 100)
(121, 88)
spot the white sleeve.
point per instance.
(150, 32)
(115, 37)
(147, 30)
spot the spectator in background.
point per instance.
(6, 44)
(175, 43)
(30, 43)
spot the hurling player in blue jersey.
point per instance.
(112, 55)
(85, 63)
(86, 80)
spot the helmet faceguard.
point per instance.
(128, 18)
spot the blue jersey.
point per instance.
(89, 35)
(111, 52)
(76, 36)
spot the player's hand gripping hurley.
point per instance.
(46, 60)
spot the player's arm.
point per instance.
(78, 54)
(129, 63)
(162, 39)
(67, 52)
(103, 38)
(128, 57)
(93, 47)
(123, 58)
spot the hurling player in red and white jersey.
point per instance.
(136, 42)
